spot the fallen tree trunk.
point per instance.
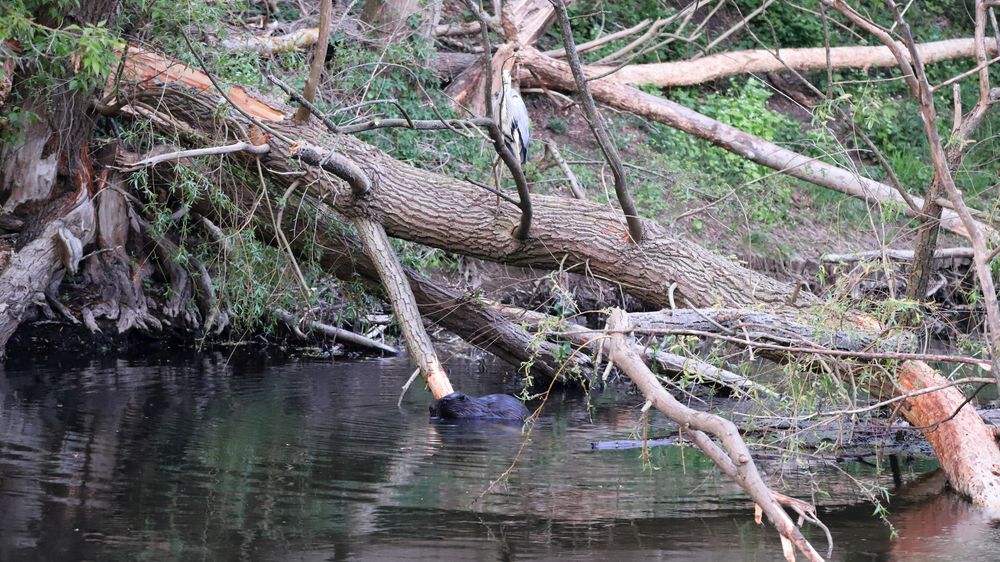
(722, 65)
(442, 212)
(463, 314)
(965, 446)
(735, 63)
(550, 73)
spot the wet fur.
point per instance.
(490, 407)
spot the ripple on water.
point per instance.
(242, 456)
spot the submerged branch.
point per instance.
(732, 455)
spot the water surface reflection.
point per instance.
(246, 457)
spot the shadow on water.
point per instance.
(248, 457)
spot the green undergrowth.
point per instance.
(879, 102)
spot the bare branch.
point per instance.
(319, 58)
(600, 41)
(574, 184)
(211, 151)
(336, 333)
(738, 26)
(597, 126)
(733, 455)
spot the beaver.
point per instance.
(492, 406)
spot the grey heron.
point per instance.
(512, 116)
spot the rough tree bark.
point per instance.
(390, 271)
(46, 177)
(442, 212)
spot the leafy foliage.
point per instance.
(53, 54)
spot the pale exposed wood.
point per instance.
(30, 270)
(24, 173)
(531, 19)
(152, 68)
(297, 40)
(466, 90)
(964, 445)
(722, 65)
(574, 185)
(194, 153)
(379, 250)
(901, 255)
(339, 334)
(390, 271)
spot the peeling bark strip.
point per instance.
(453, 215)
(735, 451)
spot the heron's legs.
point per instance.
(497, 175)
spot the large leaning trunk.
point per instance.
(442, 212)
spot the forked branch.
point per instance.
(730, 453)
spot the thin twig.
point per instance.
(597, 126)
(574, 184)
(600, 41)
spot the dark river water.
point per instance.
(240, 456)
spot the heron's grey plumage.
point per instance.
(513, 118)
